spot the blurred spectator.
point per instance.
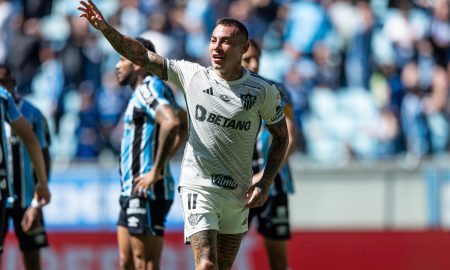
(87, 132)
(440, 32)
(306, 24)
(158, 32)
(47, 85)
(332, 55)
(327, 66)
(388, 134)
(6, 13)
(111, 101)
(132, 20)
(245, 12)
(198, 20)
(358, 59)
(275, 61)
(23, 52)
(424, 123)
(36, 8)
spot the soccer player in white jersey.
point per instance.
(273, 216)
(226, 103)
(154, 129)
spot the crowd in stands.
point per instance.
(369, 79)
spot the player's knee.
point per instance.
(139, 263)
(206, 264)
(125, 262)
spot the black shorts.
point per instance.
(143, 216)
(35, 239)
(273, 217)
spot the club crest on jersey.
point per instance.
(194, 219)
(248, 101)
(224, 181)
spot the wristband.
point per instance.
(35, 203)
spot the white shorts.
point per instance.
(207, 208)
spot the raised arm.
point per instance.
(124, 45)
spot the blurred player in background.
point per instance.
(273, 216)
(225, 103)
(154, 129)
(28, 150)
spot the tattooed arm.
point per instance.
(259, 191)
(128, 47)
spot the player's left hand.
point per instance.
(143, 183)
(31, 219)
(42, 193)
(257, 195)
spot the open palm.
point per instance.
(92, 14)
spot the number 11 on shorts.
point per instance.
(192, 200)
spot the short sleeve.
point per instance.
(12, 113)
(271, 109)
(286, 101)
(151, 94)
(180, 72)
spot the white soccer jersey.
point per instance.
(224, 120)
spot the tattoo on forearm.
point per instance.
(134, 51)
(277, 151)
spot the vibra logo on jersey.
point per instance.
(224, 181)
(201, 114)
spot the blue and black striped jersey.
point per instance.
(283, 183)
(23, 176)
(140, 137)
(8, 114)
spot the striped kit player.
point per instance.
(8, 114)
(23, 176)
(138, 150)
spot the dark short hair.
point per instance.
(147, 44)
(255, 45)
(233, 22)
(7, 69)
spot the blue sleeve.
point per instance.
(12, 113)
(161, 90)
(150, 95)
(41, 129)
